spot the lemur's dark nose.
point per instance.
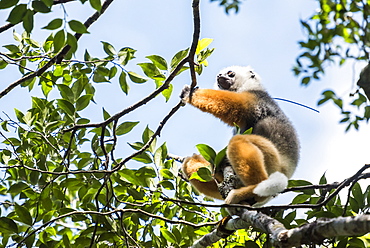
(223, 82)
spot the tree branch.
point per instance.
(312, 233)
(193, 48)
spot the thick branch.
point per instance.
(312, 233)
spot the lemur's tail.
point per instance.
(274, 184)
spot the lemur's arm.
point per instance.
(231, 107)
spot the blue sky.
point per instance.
(264, 35)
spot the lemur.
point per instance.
(263, 160)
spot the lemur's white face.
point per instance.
(238, 79)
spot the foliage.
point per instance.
(229, 5)
(337, 33)
(65, 182)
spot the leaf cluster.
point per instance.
(337, 33)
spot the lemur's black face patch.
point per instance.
(225, 81)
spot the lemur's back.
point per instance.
(270, 122)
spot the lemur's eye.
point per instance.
(252, 74)
(231, 74)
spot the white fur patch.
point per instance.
(274, 184)
(243, 79)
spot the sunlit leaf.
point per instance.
(108, 48)
(202, 44)
(207, 152)
(123, 82)
(136, 78)
(158, 61)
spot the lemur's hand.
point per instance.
(186, 93)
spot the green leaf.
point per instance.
(72, 42)
(202, 44)
(46, 87)
(106, 115)
(136, 78)
(302, 198)
(66, 92)
(167, 92)
(83, 102)
(8, 226)
(143, 158)
(19, 115)
(12, 48)
(123, 82)
(158, 61)
(179, 56)
(147, 134)
(125, 55)
(204, 174)
(108, 48)
(166, 174)
(207, 152)
(220, 156)
(40, 6)
(23, 214)
(59, 40)
(77, 27)
(28, 21)
(17, 188)
(151, 71)
(137, 145)
(160, 155)
(17, 13)
(48, 3)
(126, 127)
(99, 77)
(66, 106)
(168, 236)
(3, 63)
(4, 4)
(96, 4)
(112, 72)
(323, 179)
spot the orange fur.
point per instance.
(253, 158)
(230, 107)
(191, 165)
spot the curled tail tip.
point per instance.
(274, 184)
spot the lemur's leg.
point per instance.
(253, 159)
(191, 165)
